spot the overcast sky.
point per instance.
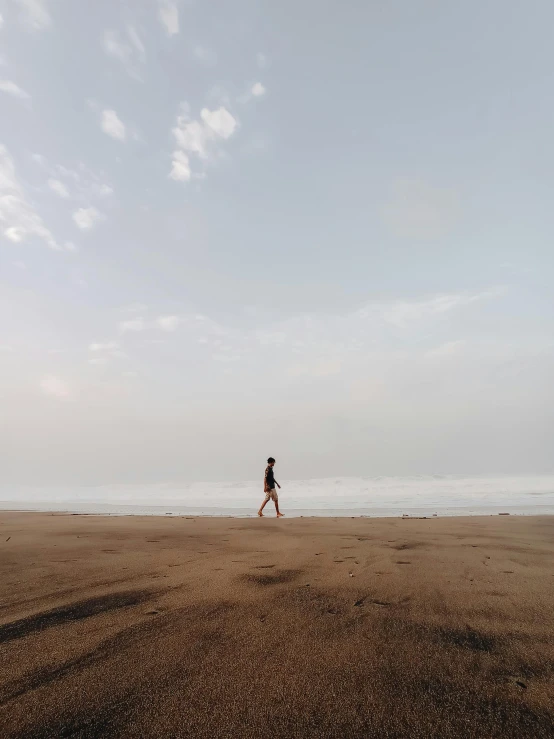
(318, 230)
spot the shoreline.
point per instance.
(123, 511)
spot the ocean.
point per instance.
(443, 495)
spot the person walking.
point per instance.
(269, 489)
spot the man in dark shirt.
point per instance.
(269, 488)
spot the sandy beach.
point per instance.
(203, 627)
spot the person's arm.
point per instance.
(277, 484)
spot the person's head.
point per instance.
(271, 461)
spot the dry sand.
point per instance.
(182, 627)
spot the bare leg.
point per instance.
(279, 514)
(263, 505)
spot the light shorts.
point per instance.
(271, 495)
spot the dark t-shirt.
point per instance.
(269, 478)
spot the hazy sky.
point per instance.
(318, 230)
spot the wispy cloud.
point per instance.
(199, 137)
(103, 346)
(127, 47)
(85, 218)
(168, 323)
(258, 90)
(180, 167)
(102, 352)
(10, 88)
(84, 184)
(168, 13)
(321, 345)
(104, 190)
(133, 324)
(58, 187)
(18, 218)
(401, 314)
(34, 14)
(112, 125)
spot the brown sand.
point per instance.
(180, 627)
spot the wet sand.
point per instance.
(191, 627)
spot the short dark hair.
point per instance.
(270, 460)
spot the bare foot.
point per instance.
(280, 515)
(260, 514)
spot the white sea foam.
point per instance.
(341, 496)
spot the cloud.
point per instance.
(127, 48)
(258, 89)
(14, 234)
(192, 136)
(10, 88)
(168, 323)
(84, 183)
(199, 137)
(324, 345)
(52, 385)
(112, 125)
(105, 190)
(18, 219)
(416, 209)
(220, 121)
(103, 352)
(168, 14)
(180, 167)
(401, 314)
(103, 347)
(34, 14)
(58, 187)
(85, 218)
(133, 324)
(1, 21)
